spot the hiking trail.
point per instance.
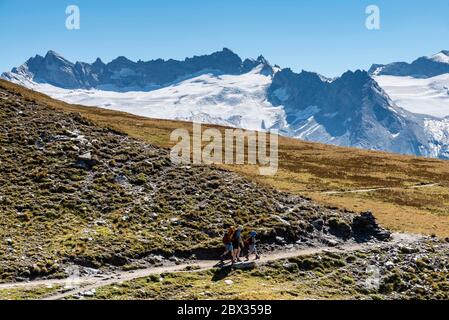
(88, 283)
(421, 186)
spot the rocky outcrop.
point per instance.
(366, 225)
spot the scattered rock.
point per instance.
(89, 293)
(408, 250)
(283, 221)
(281, 208)
(85, 157)
(86, 161)
(280, 240)
(122, 180)
(389, 265)
(229, 282)
(245, 265)
(100, 222)
(289, 266)
(174, 220)
(383, 235)
(331, 242)
(318, 224)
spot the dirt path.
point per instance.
(85, 284)
(381, 188)
(199, 266)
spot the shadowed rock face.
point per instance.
(76, 192)
(350, 111)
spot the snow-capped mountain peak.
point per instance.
(53, 55)
(442, 57)
(424, 67)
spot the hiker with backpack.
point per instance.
(250, 242)
(227, 241)
(237, 243)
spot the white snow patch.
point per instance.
(438, 133)
(442, 57)
(424, 96)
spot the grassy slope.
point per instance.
(73, 191)
(310, 168)
(33, 293)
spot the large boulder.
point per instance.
(366, 225)
(86, 161)
(339, 228)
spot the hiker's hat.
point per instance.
(253, 234)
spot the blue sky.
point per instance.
(325, 36)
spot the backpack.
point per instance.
(249, 241)
(227, 238)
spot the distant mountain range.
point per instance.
(399, 107)
(124, 74)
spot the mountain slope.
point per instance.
(77, 193)
(353, 110)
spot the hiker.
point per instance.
(251, 243)
(237, 243)
(227, 241)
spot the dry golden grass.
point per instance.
(311, 168)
